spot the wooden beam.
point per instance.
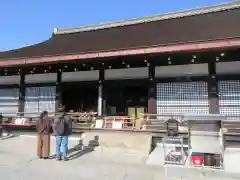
(22, 91)
(58, 90)
(213, 88)
(152, 104)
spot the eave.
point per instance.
(188, 47)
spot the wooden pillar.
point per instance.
(152, 106)
(212, 89)
(101, 91)
(58, 90)
(22, 91)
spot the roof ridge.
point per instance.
(171, 15)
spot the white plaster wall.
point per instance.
(41, 78)
(80, 76)
(9, 80)
(129, 73)
(182, 70)
(228, 67)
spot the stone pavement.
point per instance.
(18, 162)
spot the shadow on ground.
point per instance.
(8, 137)
(80, 149)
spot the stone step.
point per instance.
(156, 157)
(81, 125)
(151, 127)
(157, 122)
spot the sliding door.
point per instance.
(9, 101)
(229, 98)
(182, 97)
(40, 99)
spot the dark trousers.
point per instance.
(43, 145)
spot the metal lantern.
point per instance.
(172, 127)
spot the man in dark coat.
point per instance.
(62, 128)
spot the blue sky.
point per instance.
(26, 22)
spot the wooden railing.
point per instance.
(148, 122)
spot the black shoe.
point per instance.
(45, 158)
(59, 158)
(40, 157)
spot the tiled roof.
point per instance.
(200, 25)
(192, 12)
